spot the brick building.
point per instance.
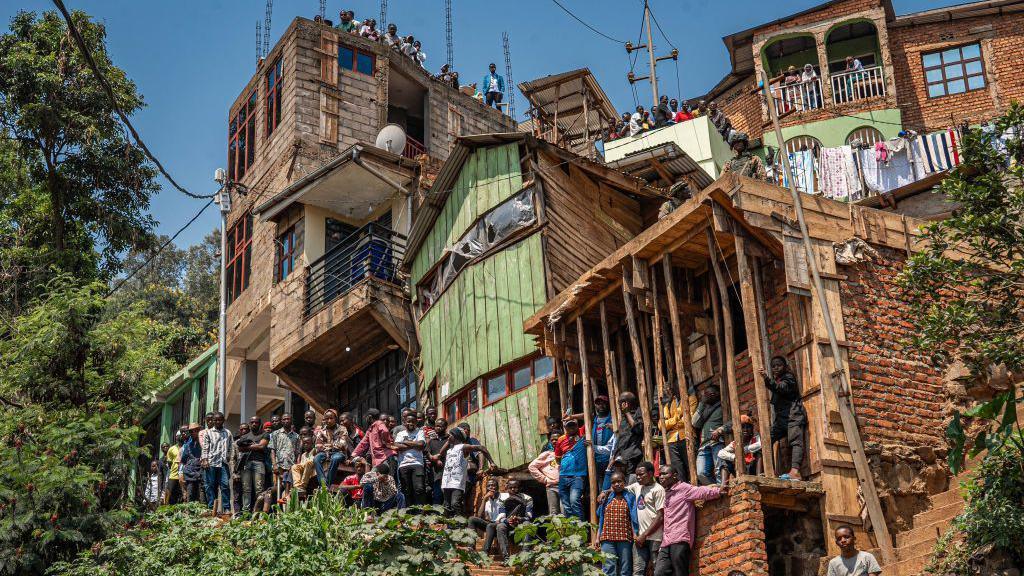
(320, 212)
(875, 456)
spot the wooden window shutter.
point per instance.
(329, 57)
(328, 117)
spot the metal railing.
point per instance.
(413, 148)
(372, 251)
(798, 96)
(858, 85)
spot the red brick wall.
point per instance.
(730, 535)
(743, 108)
(897, 392)
(1001, 38)
(837, 10)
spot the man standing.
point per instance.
(435, 441)
(175, 484)
(571, 453)
(251, 447)
(284, 447)
(650, 513)
(410, 441)
(218, 448)
(310, 419)
(708, 419)
(378, 441)
(494, 86)
(851, 561)
(191, 464)
(743, 162)
(679, 522)
(662, 114)
(629, 443)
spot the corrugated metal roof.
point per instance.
(671, 157)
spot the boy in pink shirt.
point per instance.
(680, 516)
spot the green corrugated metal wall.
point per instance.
(476, 326)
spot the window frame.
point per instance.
(242, 122)
(238, 260)
(354, 63)
(456, 401)
(272, 98)
(509, 371)
(962, 62)
(284, 249)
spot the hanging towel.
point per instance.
(880, 177)
(802, 165)
(834, 173)
(881, 152)
(938, 151)
(852, 174)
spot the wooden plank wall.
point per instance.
(488, 177)
(509, 428)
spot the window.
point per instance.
(355, 60)
(953, 70)
(516, 377)
(273, 107)
(866, 135)
(462, 404)
(239, 256)
(242, 139)
(286, 253)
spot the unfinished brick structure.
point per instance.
(885, 476)
(316, 95)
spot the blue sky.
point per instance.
(190, 58)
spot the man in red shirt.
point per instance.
(378, 442)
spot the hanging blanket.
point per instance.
(802, 165)
(837, 174)
(881, 177)
(938, 151)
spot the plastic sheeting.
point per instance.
(501, 223)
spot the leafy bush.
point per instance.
(322, 536)
(555, 546)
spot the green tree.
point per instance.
(73, 380)
(85, 193)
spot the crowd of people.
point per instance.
(666, 113)
(645, 510)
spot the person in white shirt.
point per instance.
(636, 121)
(218, 448)
(410, 442)
(650, 515)
(391, 38)
(154, 486)
(456, 469)
(491, 519)
(851, 561)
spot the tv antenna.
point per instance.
(266, 28)
(508, 77)
(383, 15)
(323, 9)
(259, 42)
(448, 31)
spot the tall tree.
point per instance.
(82, 173)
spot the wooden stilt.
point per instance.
(716, 318)
(755, 351)
(730, 355)
(588, 421)
(659, 365)
(680, 351)
(609, 365)
(638, 358)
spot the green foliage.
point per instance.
(322, 536)
(555, 546)
(72, 382)
(79, 189)
(992, 522)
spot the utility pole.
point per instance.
(652, 60)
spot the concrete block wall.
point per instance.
(1000, 37)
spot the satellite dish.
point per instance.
(391, 138)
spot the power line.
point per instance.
(113, 101)
(588, 26)
(658, 26)
(159, 250)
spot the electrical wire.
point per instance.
(113, 101)
(158, 250)
(658, 26)
(591, 28)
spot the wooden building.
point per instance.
(705, 297)
(510, 221)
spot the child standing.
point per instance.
(154, 486)
(617, 526)
(456, 465)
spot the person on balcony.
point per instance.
(494, 86)
(744, 163)
(720, 120)
(369, 30)
(810, 79)
(854, 70)
(792, 76)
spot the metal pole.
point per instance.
(840, 379)
(650, 53)
(222, 345)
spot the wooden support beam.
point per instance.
(588, 421)
(680, 348)
(730, 353)
(564, 398)
(661, 170)
(659, 365)
(611, 378)
(756, 345)
(639, 360)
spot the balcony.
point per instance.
(413, 148)
(797, 97)
(370, 252)
(859, 85)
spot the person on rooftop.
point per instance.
(790, 418)
(636, 121)
(369, 30)
(391, 38)
(662, 113)
(420, 56)
(683, 114)
(494, 86)
(347, 22)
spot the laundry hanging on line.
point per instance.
(837, 174)
(937, 151)
(881, 177)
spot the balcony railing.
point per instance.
(372, 251)
(859, 85)
(797, 97)
(413, 148)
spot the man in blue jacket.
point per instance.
(493, 86)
